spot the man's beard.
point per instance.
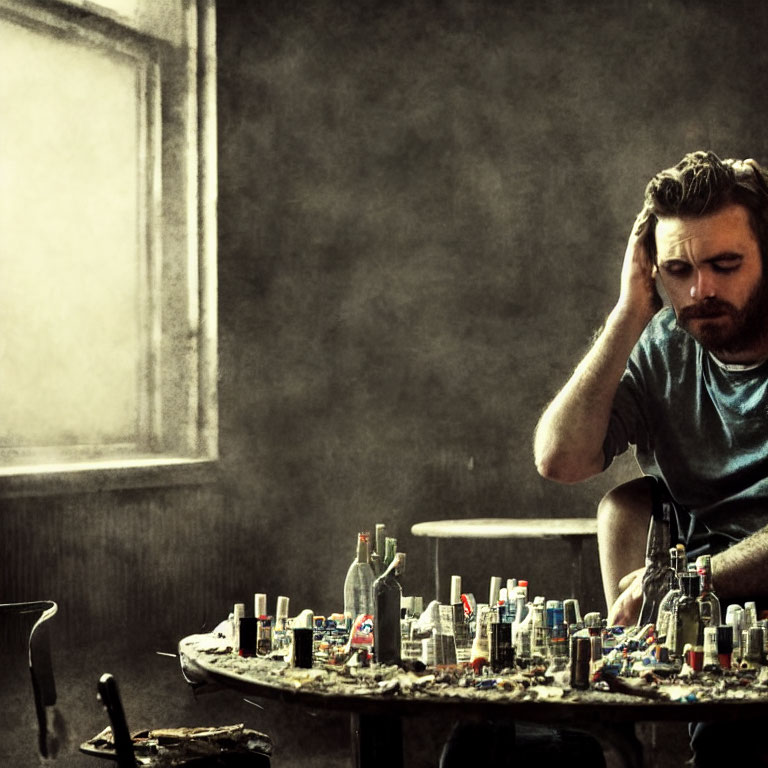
(747, 329)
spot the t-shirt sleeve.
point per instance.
(628, 424)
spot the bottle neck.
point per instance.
(704, 569)
(390, 548)
(689, 585)
(396, 567)
(381, 535)
(363, 555)
(657, 545)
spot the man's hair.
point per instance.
(700, 184)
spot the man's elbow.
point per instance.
(562, 467)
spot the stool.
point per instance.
(575, 529)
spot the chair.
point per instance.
(50, 723)
(225, 747)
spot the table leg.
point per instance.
(377, 741)
(623, 739)
(576, 572)
(436, 560)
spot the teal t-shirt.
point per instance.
(698, 426)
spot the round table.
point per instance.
(376, 715)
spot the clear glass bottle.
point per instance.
(709, 604)
(358, 585)
(539, 646)
(655, 576)
(677, 566)
(387, 596)
(686, 623)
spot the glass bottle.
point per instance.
(686, 623)
(521, 601)
(387, 596)
(709, 604)
(677, 566)
(539, 630)
(655, 576)
(358, 597)
(734, 617)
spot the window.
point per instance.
(107, 234)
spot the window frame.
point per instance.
(179, 190)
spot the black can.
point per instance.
(502, 652)
(248, 628)
(581, 652)
(302, 647)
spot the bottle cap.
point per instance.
(571, 612)
(363, 547)
(281, 612)
(455, 589)
(381, 535)
(493, 592)
(304, 620)
(259, 604)
(593, 620)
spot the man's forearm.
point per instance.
(569, 437)
(742, 570)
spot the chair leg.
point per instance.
(110, 698)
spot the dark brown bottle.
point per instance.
(387, 595)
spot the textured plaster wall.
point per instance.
(422, 216)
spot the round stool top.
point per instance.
(507, 528)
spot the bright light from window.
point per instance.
(123, 7)
(70, 347)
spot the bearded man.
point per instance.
(686, 385)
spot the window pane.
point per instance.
(70, 256)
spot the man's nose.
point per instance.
(703, 286)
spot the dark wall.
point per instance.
(423, 207)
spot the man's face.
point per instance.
(710, 267)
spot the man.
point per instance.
(687, 385)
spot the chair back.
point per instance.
(41, 670)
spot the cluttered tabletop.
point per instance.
(513, 650)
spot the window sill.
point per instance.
(100, 476)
